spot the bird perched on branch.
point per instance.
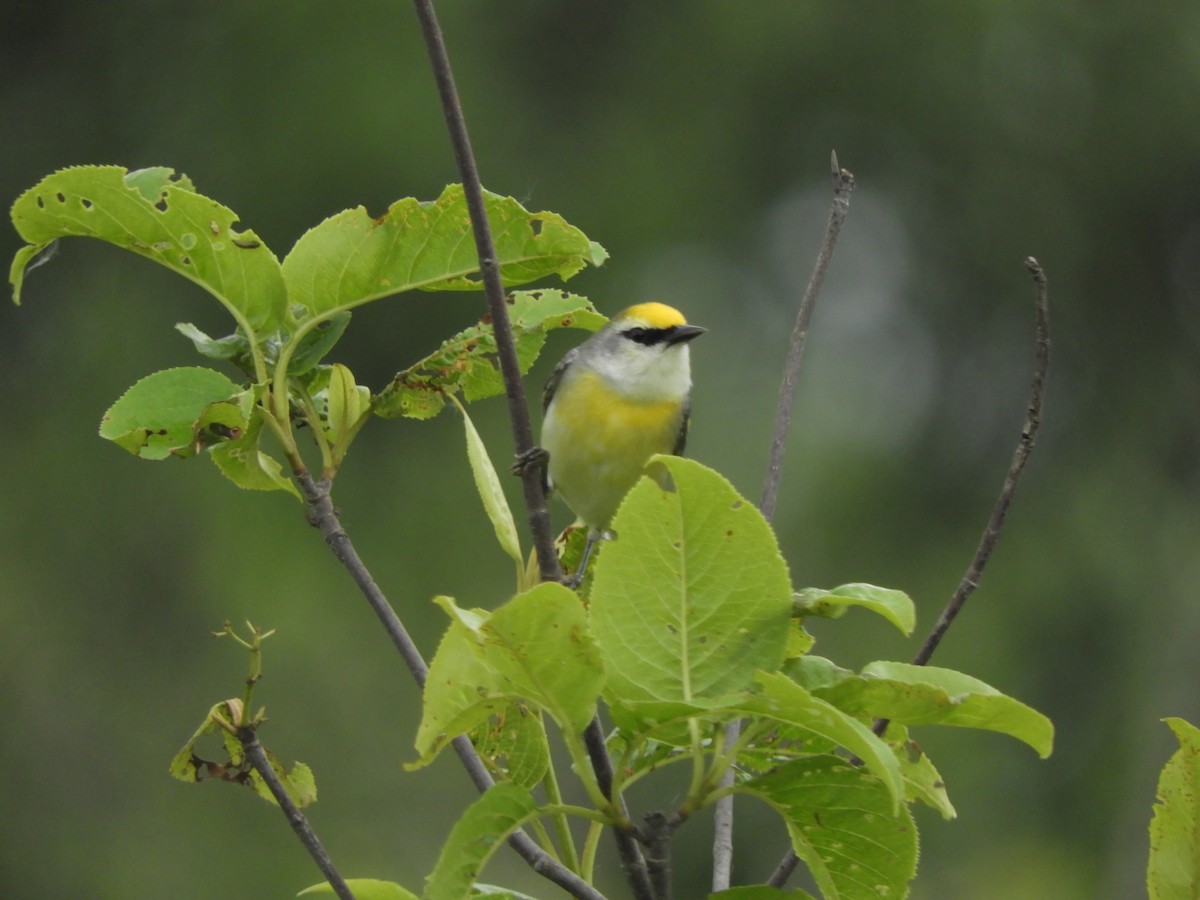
(612, 403)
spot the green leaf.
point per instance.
(316, 343)
(232, 347)
(1173, 872)
(459, 689)
(364, 889)
(243, 463)
(785, 701)
(487, 483)
(502, 809)
(843, 825)
(512, 744)
(156, 214)
(299, 782)
(922, 781)
(693, 596)
(895, 606)
(925, 695)
(467, 362)
(352, 258)
(534, 649)
(759, 892)
(177, 412)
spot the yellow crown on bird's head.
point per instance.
(654, 314)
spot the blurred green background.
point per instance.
(692, 139)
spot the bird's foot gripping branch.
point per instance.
(690, 621)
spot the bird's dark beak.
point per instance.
(681, 334)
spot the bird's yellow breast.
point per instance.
(599, 441)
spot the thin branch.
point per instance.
(323, 515)
(843, 187)
(1033, 420)
(258, 758)
(784, 870)
(991, 534)
(489, 269)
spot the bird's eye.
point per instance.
(642, 335)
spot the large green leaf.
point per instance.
(177, 412)
(843, 825)
(924, 695)
(693, 597)
(467, 361)
(156, 214)
(475, 837)
(1174, 869)
(352, 258)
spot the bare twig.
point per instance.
(489, 269)
(843, 187)
(1033, 420)
(991, 534)
(323, 515)
(258, 758)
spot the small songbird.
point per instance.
(612, 403)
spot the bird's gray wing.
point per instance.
(681, 439)
(556, 376)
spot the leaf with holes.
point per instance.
(156, 214)
(467, 362)
(177, 412)
(351, 258)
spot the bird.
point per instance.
(611, 403)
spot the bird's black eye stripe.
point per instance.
(647, 336)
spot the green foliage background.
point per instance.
(692, 140)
